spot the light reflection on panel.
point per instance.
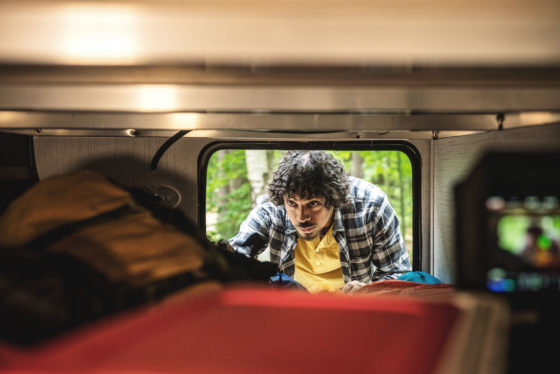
(98, 33)
(381, 32)
(156, 97)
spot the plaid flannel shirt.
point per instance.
(366, 230)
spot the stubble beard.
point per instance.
(308, 236)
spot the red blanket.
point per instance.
(404, 288)
(248, 330)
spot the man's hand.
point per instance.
(353, 286)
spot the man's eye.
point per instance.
(314, 204)
(291, 203)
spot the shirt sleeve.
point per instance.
(253, 236)
(389, 254)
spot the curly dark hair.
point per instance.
(309, 174)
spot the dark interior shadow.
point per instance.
(173, 189)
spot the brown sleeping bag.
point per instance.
(76, 247)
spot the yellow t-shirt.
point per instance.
(317, 264)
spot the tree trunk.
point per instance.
(257, 172)
(357, 165)
(401, 195)
(225, 190)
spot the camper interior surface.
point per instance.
(135, 137)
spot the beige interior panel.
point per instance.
(453, 158)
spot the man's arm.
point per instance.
(389, 254)
(253, 235)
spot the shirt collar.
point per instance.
(290, 228)
(338, 226)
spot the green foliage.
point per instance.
(234, 210)
(511, 232)
(228, 195)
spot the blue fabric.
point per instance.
(419, 277)
(281, 280)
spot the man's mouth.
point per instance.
(306, 228)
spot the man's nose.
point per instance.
(302, 214)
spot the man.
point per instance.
(328, 231)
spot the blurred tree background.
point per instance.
(236, 177)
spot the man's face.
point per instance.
(308, 216)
